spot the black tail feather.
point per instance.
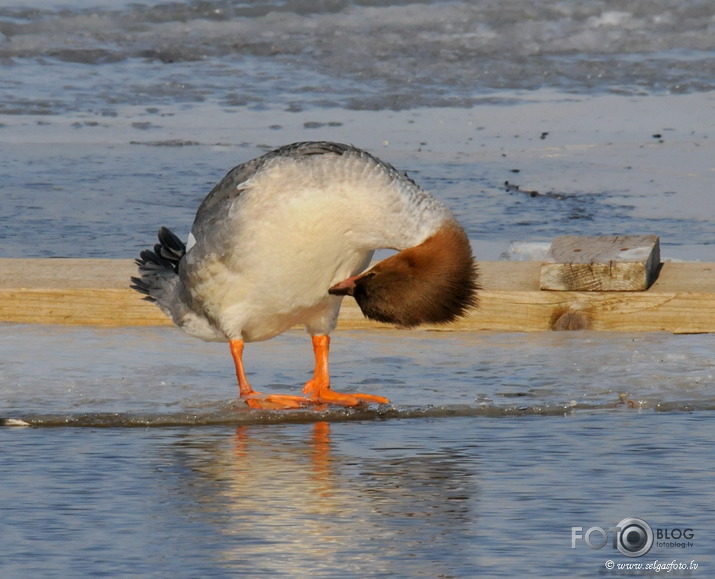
(158, 266)
(170, 247)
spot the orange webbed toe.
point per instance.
(371, 398)
(328, 396)
(276, 401)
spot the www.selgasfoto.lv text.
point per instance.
(657, 566)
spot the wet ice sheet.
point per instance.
(352, 54)
(55, 375)
(599, 170)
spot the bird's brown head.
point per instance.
(432, 283)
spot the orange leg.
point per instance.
(255, 399)
(244, 388)
(317, 390)
(318, 387)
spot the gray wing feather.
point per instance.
(213, 208)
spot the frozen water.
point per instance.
(144, 377)
(82, 185)
(603, 113)
(355, 55)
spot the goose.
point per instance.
(283, 238)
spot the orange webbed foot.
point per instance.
(329, 396)
(276, 401)
(320, 401)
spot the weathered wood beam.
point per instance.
(96, 292)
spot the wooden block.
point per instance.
(605, 263)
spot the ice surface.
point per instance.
(604, 113)
(365, 56)
(84, 185)
(139, 377)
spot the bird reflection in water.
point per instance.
(319, 454)
(335, 499)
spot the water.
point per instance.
(422, 498)
(117, 117)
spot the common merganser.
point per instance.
(283, 237)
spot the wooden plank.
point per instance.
(601, 263)
(96, 292)
(73, 291)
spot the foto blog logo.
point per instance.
(632, 537)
